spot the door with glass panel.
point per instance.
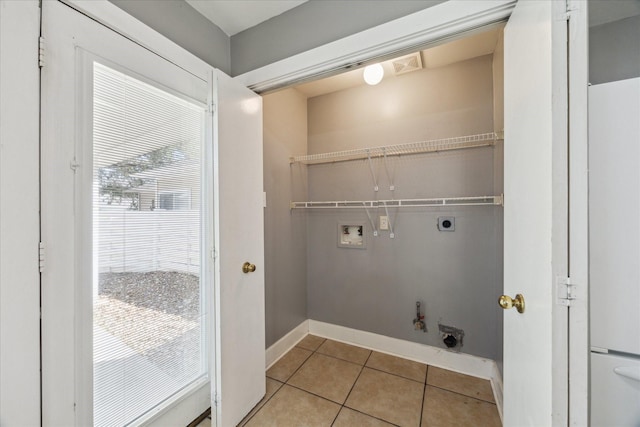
(127, 290)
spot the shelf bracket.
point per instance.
(373, 224)
(373, 175)
(386, 211)
(386, 169)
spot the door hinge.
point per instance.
(216, 399)
(570, 9)
(565, 291)
(41, 257)
(214, 253)
(212, 108)
(41, 52)
(74, 165)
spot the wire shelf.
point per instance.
(456, 143)
(402, 203)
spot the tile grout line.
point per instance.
(324, 398)
(345, 399)
(265, 402)
(352, 386)
(395, 375)
(297, 369)
(462, 394)
(281, 382)
(424, 394)
(424, 382)
(373, 416)
(377, 369)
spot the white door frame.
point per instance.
(579, 341)
(67, 398)
(444, 22)
(437, 24)
(122, 23)
(19, 214)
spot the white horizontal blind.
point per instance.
(148, 317)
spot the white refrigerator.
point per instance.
(614, 246)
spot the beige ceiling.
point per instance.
(455, 51)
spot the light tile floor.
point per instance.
(327, 383)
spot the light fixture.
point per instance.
(373, 74)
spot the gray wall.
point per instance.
(178, 21)
(455, 274)
(307, 26)
(614, 51)
(285, 134)
(310, 25)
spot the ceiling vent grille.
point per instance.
(407, 63)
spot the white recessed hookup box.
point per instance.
(351, 235)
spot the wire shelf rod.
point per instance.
(435, 145)
(401, 203)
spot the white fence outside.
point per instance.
(144, 241)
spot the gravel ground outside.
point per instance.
(156, 314)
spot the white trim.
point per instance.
(192, 399)
(446, 20)
(19, 214)
(121, 22)
(458, 362)
(498, 389)
(286, 343)
(578, 212)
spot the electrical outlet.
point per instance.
(384, 223)
(446, 223)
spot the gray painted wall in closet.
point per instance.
(285, 234)
(454, 274)
(614, 51)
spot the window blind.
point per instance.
(148, 317)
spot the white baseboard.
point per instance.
(286, 343)
(496, 385)
(433, 356)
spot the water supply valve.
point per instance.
(419, 323)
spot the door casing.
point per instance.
(227, 99)
(451, 19)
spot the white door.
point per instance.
(536, 214)
(240, 237)
(137, 190)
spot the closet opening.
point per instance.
(410, 172)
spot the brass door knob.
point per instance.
(508, 302)
(247, 267)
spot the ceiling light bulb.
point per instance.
(373, 74)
